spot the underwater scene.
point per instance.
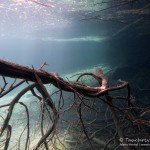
(74, 74)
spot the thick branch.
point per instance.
(18, 71)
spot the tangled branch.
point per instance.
(85, 103)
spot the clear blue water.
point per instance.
(70, 44)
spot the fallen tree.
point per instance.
(123, 111)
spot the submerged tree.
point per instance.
(129, 120)
(105, 116)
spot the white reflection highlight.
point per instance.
(77, 39)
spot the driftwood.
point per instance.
(13, 70)
(39, 77)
